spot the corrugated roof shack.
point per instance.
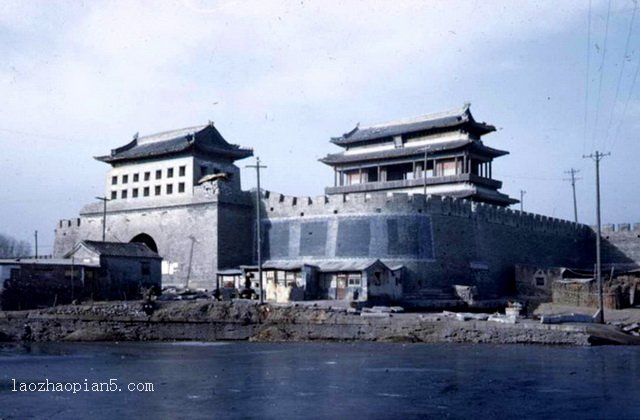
(124, 269)
(33, 283)
(354, 280)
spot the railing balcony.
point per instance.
(411, 183)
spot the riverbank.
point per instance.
(205, 320)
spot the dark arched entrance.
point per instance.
(147, 240)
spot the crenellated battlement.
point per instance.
(621, 242)
(619, 228)
(279, 205)
(68, 224)
(67, 234)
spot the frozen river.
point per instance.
(317, 380)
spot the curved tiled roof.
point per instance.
(205, 139)
(473, 145)
(449, 119)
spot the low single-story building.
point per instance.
(578, 287)
(283, 281)
(27, 283)
(353, 280)
(124, 268)
(91, 270)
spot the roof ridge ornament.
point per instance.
(465, 114)
(352, 131)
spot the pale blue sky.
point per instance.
(282, 77)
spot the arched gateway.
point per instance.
(147, 240)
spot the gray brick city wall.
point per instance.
(440, 240)
(621, 244)
(195, 236)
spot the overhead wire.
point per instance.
(44, 136)
(626, 104)
(586, 82)
(601, 71)
(619, 83)
(531, 177)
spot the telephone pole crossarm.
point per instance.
(104, 216)
(522, 193)
(573, 180)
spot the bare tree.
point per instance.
(13, 248)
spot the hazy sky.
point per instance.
(80, 78)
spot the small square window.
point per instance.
(114, 180)
(159, 174)
(170, 173)
(540, 281)
(114, 195)
(181, 187)
(145, 191)
(147, 176)
(123, 194)
(158, 190)
(169, 188)
(125, 179)
(182, 170)
(134, 193)
(136, 177)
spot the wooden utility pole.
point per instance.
(104, 216)
(573, 180)
(257, 166)
(522, 193)
(597, 157)
(36, 237)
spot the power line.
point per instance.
(44, 136)
(535, 178)
(626, 104)
(624, 61)
(586, 81)
(624, 111)
(601, 71)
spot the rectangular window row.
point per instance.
(146, 191)
(182, 171)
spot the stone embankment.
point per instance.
(205, 320)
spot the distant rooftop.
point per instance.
(205, 139)
(449, 119)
